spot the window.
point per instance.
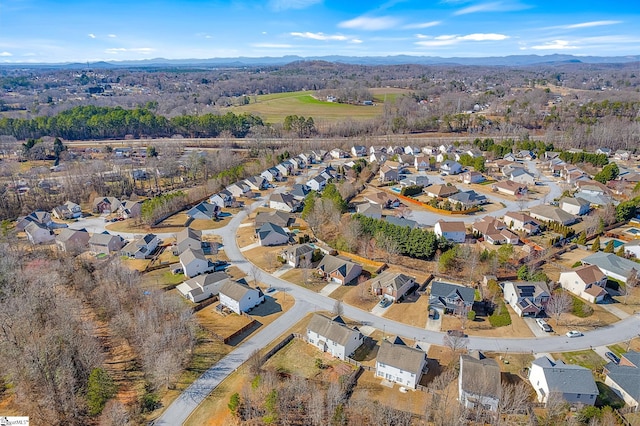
(578, 396)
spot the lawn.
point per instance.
(299, 358)
(412, 312)
(135, 264)
(587, 358)
(246, 235)
(361, 297)
(265, 258)
(370, 387)
(274, 108)
(482, 327)
(296, 276)
(219, 324)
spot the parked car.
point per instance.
(543, 325)
(384, 302)
(456, 333)
(573, 333)
(613, 357)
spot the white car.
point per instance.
(543, 325)
(573, 333)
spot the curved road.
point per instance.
(308, 301)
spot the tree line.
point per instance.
(93, 122)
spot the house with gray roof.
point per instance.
(298, 255)
(68, 210)
(612, 265)
(193, 262)
(572, 383)
(270, 234)
(451, 297)
(371, 210)
(333, 336)
(624, 378)
(401, 221)
(521, 176)
(105, 243)
(222, 199)
(141, 248)
(285, 202)
(39, 216)
(203, 287)
(479, 382)
(468, 199)
(277, 217)
(547, 213)
(527, 298)
(575, 205)
(130, 209)
(336, 269)
(203, 210)
(239, 297)
(72, 240)
(397, 362)
(105, 205)
(299, 191)
(37, 233)
(256, 183)
(392, 285)
(187, 238)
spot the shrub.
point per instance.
(411, 190)
(500, 316)
(234, 403)
(100, 389)
(580, 308)
(471, 316)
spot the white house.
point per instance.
(238, 189)
(527, 298)
(632, 248)
(194, 263)
(359, 151)
(548, 213)
(298, 255)
(576, 206)
(421, 162)
(333, 336)
(38, 233)
(284, 202)
(452, 231)
(396, 362)
(624, 378)
(270, 234)
(141, 248)
(472, 177)
(479, 382)
(450, 167)
(612, 265)
(240, 297)
(521, 222)
(572, 383)
(522, 177)
(256, 183)
(587, 282)
(203, 287)
(222, 199)
(68, 210)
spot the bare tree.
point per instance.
(632, 282)
(559, 303)
(389, 246)
(444, 407)
(514, 399)
(338, 309)
(256, 273)
(456, 342)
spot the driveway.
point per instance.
(535, 328)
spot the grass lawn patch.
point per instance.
(340, 292)
(587, 358)
(412, 311)
(299, 358)
(161, 278)
(296, 276)
(361, 297)
(608, 397)
(136, 264)
(223, 326)
(500, 317)
(617, 349)
(580, 308)
(265, 258)
(369, 387)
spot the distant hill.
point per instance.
(512, 60)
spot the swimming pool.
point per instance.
(617, 243)
(396, 190)
(634, 231)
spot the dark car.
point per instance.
(456, 333)
(613, 357)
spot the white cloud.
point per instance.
(272, 46)
(142, 50)
(355, 41)
(555, 45)
(320, 36)
(292, 4)
(90, 35)
(450, 39)
(370, 24)
(588, 24)
(5, 54)
(112, 36)
(497, 6)
(421, 25)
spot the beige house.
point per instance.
(587, 282)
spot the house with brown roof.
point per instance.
(421, 162)
(397, 362)
(547, 213)
(440, 191)
(106, 205)
(587, 282)
(333, 336)
(479, 382)
(392, 285)
(384, 199)
(518, 221)
(336, 269)
(472, 177)
(494, 231)
(452, 231)
(509, 187)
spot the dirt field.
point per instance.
(222, 325)
(361, 297)
(136, 264)
(245, 236)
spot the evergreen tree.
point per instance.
(100, 389)
(609, 247)
(582, 238)
(596, 244)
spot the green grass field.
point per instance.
(275, 107)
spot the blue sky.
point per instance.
(74, 30)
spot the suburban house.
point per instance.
(384, 199)
(415, 180)
(38, 216)
(632, 248)
(494, 231)
(299, 255)
(472, 177)
(299, 191)
(256, 183)
(509, 187)
(272, 235)
(106, 205)
(187, 238)
(450, 167)
(193, 262)
(271, 174)
(68, 210)
(624, 378)
(371, 210)
(238, 189)
(338, 153)
(285, 169)
(522, 177)
(359, 151)
(317, 183)
(440, 191)
(141, 248)
(401, 221)
(421, 162)
(285, 202)
(452, 231)
(622, 155)
(335, 269)
(451, 298)
(612, 265)
(72, 240)
(38, 233)
(572, 383)
(130, 209)
(378, 157)
(105, 243)
(387, 174)
(468, 199)
(204, 211)
(518, 221)
(333, 336)
(412, 150)
(527, 298)
(392, 285)
(575, 206)
(397, 362)
(479, 382)
(222, 199)
(240, 297)
(203, 287)
(587, 282)
(548, 213)
(280, 218)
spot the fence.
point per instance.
(279, 346)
